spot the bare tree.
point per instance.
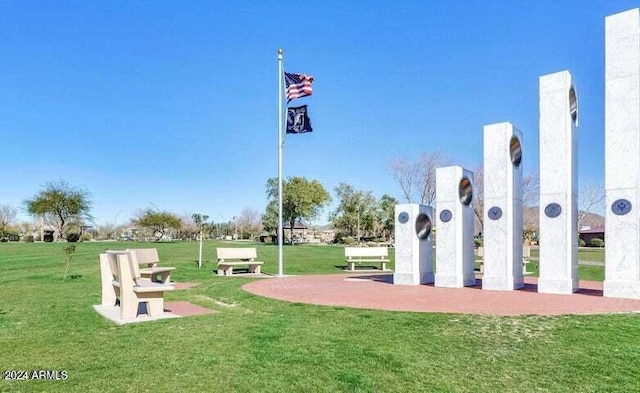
(478, 196)
(590, 197)
(249, 222)
(7, 217)
(417, 180)
(427, 174)
(404, 173)
(531, 189)
(190, 228)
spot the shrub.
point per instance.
(29, 239)
(4, 239)
(348, 240)
(478, 242)
(596, 242)
(581, 243)
(10, 236)
(85, 237)
(73, 237)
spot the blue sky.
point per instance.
(173, 104)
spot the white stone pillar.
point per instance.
(413, 245)
(502, 230)
(558, 184)
(622, 155)
(454, 242)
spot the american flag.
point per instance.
(298, 85)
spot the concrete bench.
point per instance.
(150, 258)
(122, 285)
(230, 257)
(367, 255)
(526, 255)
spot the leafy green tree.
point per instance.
(357, 211)
(61, 205)
(158, 222)
(301, 199)
(270, 216)
(387, 215)
(201, 222)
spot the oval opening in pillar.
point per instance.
(515, 151)
(423, 226)
(573, 106)
(465, 191)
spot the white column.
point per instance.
(413, 245)
(622, 155)
(558, 184)
(502, 230)
(454, 242)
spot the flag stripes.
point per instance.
(298, 85)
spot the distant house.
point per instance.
(48, 231)
(299, 230)
(299, 233)
(588, 233)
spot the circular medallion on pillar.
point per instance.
(621, 207)
(553, 210)
(446, 215)
(403, 217)
(495, 213)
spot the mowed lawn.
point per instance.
(255, 344)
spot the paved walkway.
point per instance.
(376, 291)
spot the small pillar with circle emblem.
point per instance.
(454, 230)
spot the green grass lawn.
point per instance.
(591, 273)
(255, 344)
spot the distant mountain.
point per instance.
(592, 220)
(531, 218)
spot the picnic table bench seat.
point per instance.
(150, 258)
(123, 285)
(366, 255)
(228, 258)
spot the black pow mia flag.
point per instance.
(298, 121)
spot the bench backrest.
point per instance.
(121, 271)
(236, 253)
(366, 252)
(127, 261)
(148, 256)
(107, 277)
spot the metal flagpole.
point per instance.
(280, 71)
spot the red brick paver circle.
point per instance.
(376, 291)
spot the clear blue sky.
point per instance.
(173, 104)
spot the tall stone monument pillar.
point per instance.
(558, 184)
(622, 155)
(502, 208)
(454, 242)
(414, 245)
